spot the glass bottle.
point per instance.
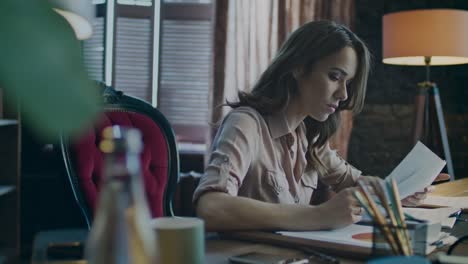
(121, 231)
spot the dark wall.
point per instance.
(382, 132)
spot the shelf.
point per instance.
(4, 189)
(10, 156)
(191, 148)
(8, 122)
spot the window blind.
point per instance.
(185, 59)
(133, 57)
(93, 51)
(185, 71)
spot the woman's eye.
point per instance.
(334, 76)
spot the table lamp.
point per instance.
(427, 37)
(78, 13)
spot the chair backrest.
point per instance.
(159, 159)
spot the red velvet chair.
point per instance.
(159, 159)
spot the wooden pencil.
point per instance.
(394, 205)
(362, 200)
(379, 219)
(400, 215)
(380, 192)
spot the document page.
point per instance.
(437, 215)
(417, 170)
(361, 236)
(357, 235)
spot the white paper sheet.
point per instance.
(342, 235)
(345, 235)
(417, 170)
(437, 215)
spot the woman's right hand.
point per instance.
(342, 210)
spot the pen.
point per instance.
(456, 213)
(320, 256)
(438, 243)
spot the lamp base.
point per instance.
(429, 125)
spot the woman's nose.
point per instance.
(342, 92)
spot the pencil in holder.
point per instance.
(390, 240)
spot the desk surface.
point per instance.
(453, 188)
(219, 250)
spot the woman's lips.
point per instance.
(332, 108)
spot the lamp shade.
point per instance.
(78, 13)
(410, 36)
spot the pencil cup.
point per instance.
(181, 240)
(388, 240)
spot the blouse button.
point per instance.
(225, 159)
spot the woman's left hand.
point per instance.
(418, 197)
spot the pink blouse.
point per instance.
(263, 158)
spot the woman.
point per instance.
(273, 146)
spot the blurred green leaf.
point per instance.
(41, 66)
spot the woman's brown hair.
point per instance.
(302, 50)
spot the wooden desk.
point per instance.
(219, 250)
(453, 188)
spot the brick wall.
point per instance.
(382, 132)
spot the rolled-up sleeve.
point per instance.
(340, 173)
(234, 147)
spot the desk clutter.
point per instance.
(390, 232)
(393, 229)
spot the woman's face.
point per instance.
(322, 89)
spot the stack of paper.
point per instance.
(423, 236)
(358, 235)
(438, 215)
